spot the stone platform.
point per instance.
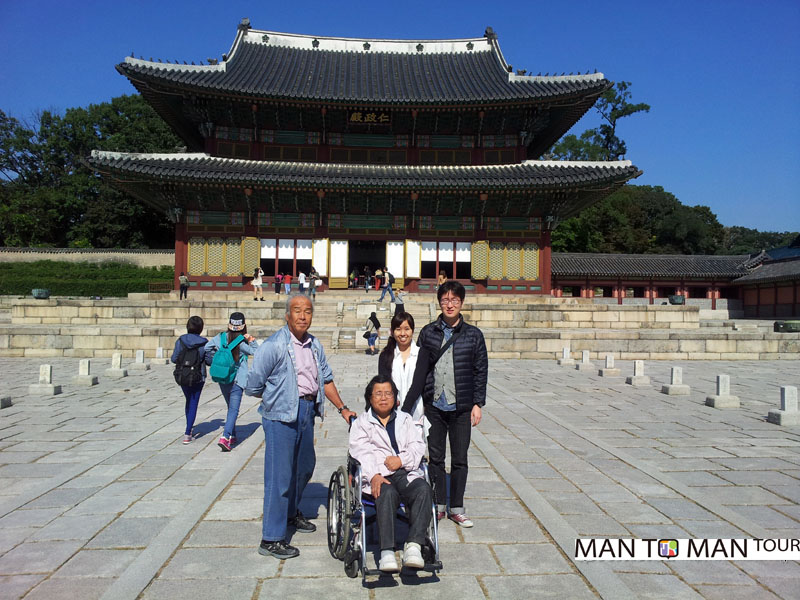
(99, 498)
(514, 326)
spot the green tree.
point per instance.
(50, 196)
(742, 240)
(602, 142)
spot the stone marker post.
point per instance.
(139, 364)
(639, 378)
(566, 359)
(5, 402)
(160, 359)
(675, 387)
(84, 376)
(116, 371)
(45, 386)
(584, 365)
(723, 398)
(788, 413)
(610, 370)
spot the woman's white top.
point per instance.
(403, 376)
(257, 279)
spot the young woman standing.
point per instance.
(373, 329)
(258, 283)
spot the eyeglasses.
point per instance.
(383, 394)
(453, 301)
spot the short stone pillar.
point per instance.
(45, 386)
(160, 359)
(787, 414)
(116, 371)
(84, 376)
(565, 359)
(676, 387)
(584, 365)
(138, 364)
(610, 370)
(639, 378)
(5, 402)
(723, 398)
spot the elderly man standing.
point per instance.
(292, 378)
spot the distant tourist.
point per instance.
(184, 286)
(190, 370)
(314, 277)
(258, 282)
(441, 279)
(278, 281)
(372, 331)
(302, 283)
(287, 283)
(367, 278)
(455, 392)
(227, 354)
(388, 281)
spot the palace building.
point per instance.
(420, 156)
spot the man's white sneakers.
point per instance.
(412, 556)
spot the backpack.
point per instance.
(391, 279)
(223, 367)
(189, 370)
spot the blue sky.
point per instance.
(722, 76)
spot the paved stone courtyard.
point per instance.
(99, 498)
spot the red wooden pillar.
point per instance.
(181, 253)
(547, 270)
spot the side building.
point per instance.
(421, 156)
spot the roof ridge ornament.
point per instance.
(489, 34)
(244, 24)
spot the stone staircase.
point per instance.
(514, 326)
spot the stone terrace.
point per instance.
(514, 326)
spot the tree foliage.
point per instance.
(50, 197)
(602, 142)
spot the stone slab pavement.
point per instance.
(99, 498)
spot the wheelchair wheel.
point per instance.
(339, 507)
(352, 562)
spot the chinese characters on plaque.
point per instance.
(363, 116)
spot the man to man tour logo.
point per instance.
(668, 548)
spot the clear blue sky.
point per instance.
(722, 76)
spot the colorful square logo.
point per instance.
(668, 548)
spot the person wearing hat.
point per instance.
(292, 377)
(232, 392)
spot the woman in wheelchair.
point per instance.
(390, 448)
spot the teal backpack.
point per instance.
(223, 367)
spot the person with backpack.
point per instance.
(278, 280)
(190, 370)
(387, 283)
(227, 355)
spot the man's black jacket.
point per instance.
(470, 362)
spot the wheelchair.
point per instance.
(348, 521)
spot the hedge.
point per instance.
(80, 279)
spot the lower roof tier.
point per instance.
(199, 181)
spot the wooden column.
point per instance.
(546, 271)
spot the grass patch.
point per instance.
(80, 278)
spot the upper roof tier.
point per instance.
(282, 66)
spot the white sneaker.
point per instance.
(412, 556)
(388, 562)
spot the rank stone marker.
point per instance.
(723, 398)
(45, 386)
(639, 378)
(5, 402)
(116, 371)
(676, 387)
(160, 359)
(139, 364)
(565, 359)
(84, 376)
(787, 414)
(584, 365)
(610, 370)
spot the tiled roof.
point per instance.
(265, 64)
(781, 270)
(646, 265)
(199, 167)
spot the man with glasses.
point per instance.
(455, 392)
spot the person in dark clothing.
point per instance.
(373, 328)
(455, 392)
(192, 338)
